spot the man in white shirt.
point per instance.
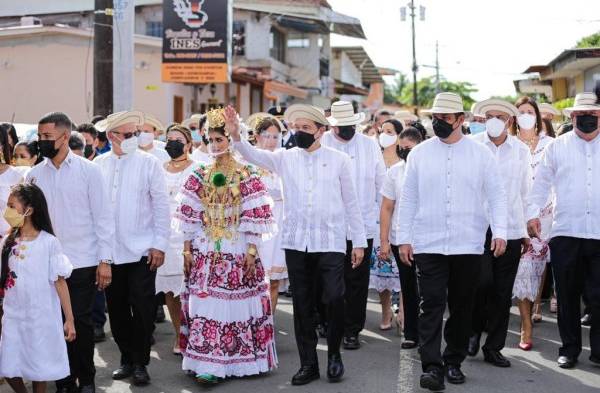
(494, 292)
(321, 204)
(139, 201)
(442, 229)
(368, 172)
(77, 202)
(571, 167)
(146, 139)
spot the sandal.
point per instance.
(537, 313)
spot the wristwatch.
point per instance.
(107, 261)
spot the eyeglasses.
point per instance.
(127, 135)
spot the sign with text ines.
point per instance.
(196, 41)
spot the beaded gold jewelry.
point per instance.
(216, 118)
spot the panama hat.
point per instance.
(583, 102)
(405, 115)
(120, 118)
(342, 114)
(494, 104)
(195, 118)
(254, 120)
(153, 121)
(446, 103)
(548, 108)
(303, 111)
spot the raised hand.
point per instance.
(232, 123)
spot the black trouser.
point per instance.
(82, 289)
(576, 266)
(357, 290)
(132, 309)
(494, 293)
(304, 269)
(410, 297)
(99, 311)
(445, 278)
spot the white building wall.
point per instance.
(305, 64)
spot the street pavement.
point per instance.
(378, 367)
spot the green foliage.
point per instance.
(426, 90)
(591, 41)
(565, 103)
(393, 91)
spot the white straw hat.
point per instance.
(342, 114)
(494, 104)
(153, 121)
(446, 103)
(583, 102)
(254, 119)
(120, 118)
(303, 111)
(405, 115)
(548, 108)
(195, 118)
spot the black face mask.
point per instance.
(204, 139)
(174, 148)
(88, 151)
(587, 123)
(346, 132)
(403, 153)
(304, 140)
(48, 148)
(441, 128)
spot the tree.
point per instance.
(393, 91)
(591, 41)
(426, 90)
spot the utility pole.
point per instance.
(415, 67)
(437, 69)
(103, 57)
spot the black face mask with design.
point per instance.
(441, 128)
(587, 123)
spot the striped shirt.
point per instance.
(368, 172)
(446, 186)
(319, 194)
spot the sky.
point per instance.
(489, 43)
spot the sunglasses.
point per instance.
(127, 135)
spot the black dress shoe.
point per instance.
(351, 342)
(67, 389)
(566, 362)
(586, 320)
(99, 334)
(454, 375)
(140, 375)
(595, 360)
(160, 314)
(305, 375)
(473, 347)
(335, 368)
(408, 344)
(495, 358)
(433, 379)
(87, 389)
(124, 371)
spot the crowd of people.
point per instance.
(218, 215)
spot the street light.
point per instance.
(415, 68)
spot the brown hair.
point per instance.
(179, 128)
(538, 116)
(265, 124)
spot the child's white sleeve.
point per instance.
(60, 265)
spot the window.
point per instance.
(239, 38)
(298, 41)
(277, 45)
(154, 29)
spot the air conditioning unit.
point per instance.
(30, 21)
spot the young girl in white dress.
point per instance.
(33, 289)
(169, 277)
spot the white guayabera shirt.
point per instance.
(319, 194)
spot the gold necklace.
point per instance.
(177, 164)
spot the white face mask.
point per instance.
(130, 145)
(145, 138)
(526, 121)
(387, 140)
(494, 127)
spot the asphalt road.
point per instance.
(378, 367)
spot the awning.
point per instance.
(347, 88)
(329, 20)
(361, 60)
(272, 88)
